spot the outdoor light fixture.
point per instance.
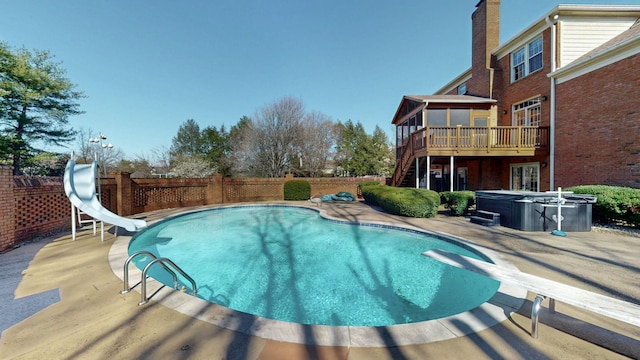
(544, 98)
(100, 156)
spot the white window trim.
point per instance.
(511, 166)
(526, 109)
(527, 57)
(462, 89)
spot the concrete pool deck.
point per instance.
(93, 320)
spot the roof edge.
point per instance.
(597, 60)
(564, 10)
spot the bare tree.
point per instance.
(316, 143)
(270, 142)
(160, 159)
(84, 150)
(236, 161)
(110, 157)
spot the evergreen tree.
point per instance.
(195, 146)
(188, 141)
(216, 148)
(382, 153)
(359, 154)
(36, 100)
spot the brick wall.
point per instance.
(252, 189)
(258, 189)
(485, 38)
(6, 208)
(30, 208)
(596, 149)
(35, 207)
(41, 207)
(532, 85)
(156, 194)
(336, 185)
(508, 94)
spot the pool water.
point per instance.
(288, 263)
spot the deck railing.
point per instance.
(470, 141)
(461, 138)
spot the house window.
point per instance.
(527, 59)
(460, 117)
(535, 55)
(525, 177)
(517, 61)
(437, 117)
(462, 89)
(527, 113)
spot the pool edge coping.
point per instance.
(508, 299)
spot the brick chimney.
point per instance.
(485, 38)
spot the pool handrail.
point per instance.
(126, 270)
(163, 261)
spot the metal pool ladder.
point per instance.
(166, 264)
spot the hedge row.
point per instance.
(401, 201)
(613, 203)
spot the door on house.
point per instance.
(525, 177)
(527, 113)
(480, 120)
(461, 179)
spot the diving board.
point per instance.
(544, 288)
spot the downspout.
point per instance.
(552, 104)
(417, 172)
(492, 72)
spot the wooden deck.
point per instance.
(469, 141)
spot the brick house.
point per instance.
(556, 105)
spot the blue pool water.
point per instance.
(290, 264)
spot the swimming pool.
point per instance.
(290, 264)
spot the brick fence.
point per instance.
(36, 207)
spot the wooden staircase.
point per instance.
(405, 167)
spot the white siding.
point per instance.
(578, 36)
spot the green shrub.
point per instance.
(613, 203)
(368, 183)
(403, 201)
(458, 202)
(297, 190)
(365, 189)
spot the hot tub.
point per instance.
(537, 211)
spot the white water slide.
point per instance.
(80, 187)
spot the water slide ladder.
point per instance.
(80, 220)
(165, 263)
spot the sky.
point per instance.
(146, 66)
